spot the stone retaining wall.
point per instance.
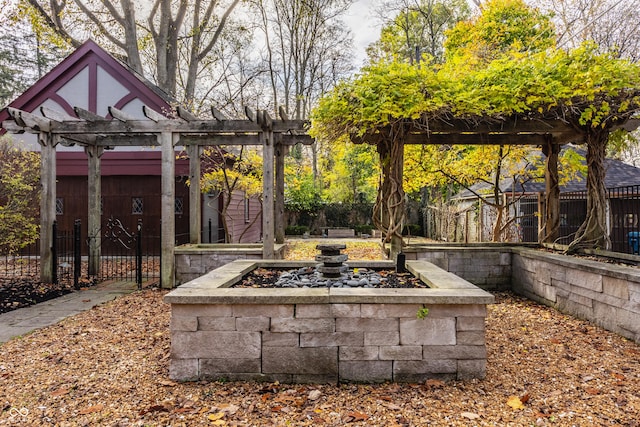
(605, 294)
(487, 266)
(327, 335)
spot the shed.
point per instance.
(88, 82)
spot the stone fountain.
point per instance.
(327, 334)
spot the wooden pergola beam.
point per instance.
(152, 114)
(479, 138)
(121, 115)
(186, 115)
(57, 115)
(241, 139)
(87, 115)
(30, 120)
(148, 126)
(506, 125)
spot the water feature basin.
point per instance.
(327, 335)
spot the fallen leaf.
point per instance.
(91, 409)
(515, 402)
(391, 406)
(217, 416)
(60, 392)
(154, 408)
(525, 398)
(314, 394)
(168, 383)
(592, 391)
(470, 415)
(435, 383)
(229, 408)
(358, 416)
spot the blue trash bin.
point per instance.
(634, 241)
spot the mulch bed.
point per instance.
(18, 293)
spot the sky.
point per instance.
(364, 25)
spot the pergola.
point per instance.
(549, 134)
(96, 133)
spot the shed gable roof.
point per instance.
(92, 79)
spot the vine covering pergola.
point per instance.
(544, 98)
(96, 133)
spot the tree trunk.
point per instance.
(593, 232)
(551, 220)
(388, 212)
(496, 234)
(131, 36)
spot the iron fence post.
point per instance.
(160, 258)
(139, 255)
(54, 253)
(77, 254)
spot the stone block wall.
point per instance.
(488, 267)
(193, 261)
(605, 294)
(328, 343)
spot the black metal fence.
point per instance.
(623, 217)
(125, 255)
(24, 264)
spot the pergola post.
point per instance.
(47, 203)
(279, 196)
(267, 185)
(552, 193)
(195, 196)
(94, 219)
(168, 223)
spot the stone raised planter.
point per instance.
(327, 335)
(195, 260)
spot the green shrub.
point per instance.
(296, 230)
(411, 230)
(363, 228)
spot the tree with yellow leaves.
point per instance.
(527, 79)
(231, 173)
(19, 189)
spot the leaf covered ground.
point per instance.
(109, 367)
(364, 249)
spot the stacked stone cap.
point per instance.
(332, 259)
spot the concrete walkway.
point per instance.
(24, 320)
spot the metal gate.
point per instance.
(124, 255)
(127, 254)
